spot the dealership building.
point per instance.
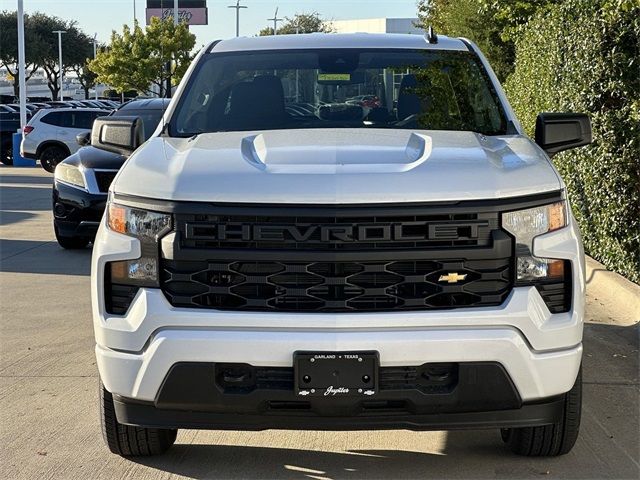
(377, 25)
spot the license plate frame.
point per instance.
(336, 374)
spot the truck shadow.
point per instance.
(227, 461)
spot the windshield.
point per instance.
(150, 118)
(342, 88)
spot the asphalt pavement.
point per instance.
(49, 424)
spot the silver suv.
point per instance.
(50, 135)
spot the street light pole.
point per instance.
(95, 50)
(22, 84)
(275, 20)
(237, 6)
(175, 12)
(60, 32)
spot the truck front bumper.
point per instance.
(539, 352)
(479, 395)
(140, 375)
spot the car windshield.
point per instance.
(339, 88)
(150, 118)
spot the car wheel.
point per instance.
(127, 440)
(549, 440)
(52, 156)
(70, 243)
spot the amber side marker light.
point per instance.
(117, 218)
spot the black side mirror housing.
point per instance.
(120, 135)
(556, 132)
(83, 139)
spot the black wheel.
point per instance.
(70, 243)
(549, 440)
(52, 156)
(129, 441)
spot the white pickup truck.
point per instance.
(339, 232)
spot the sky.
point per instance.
(103, 16)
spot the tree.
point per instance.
(41, 47)
(582, 56)
(491, 24)
(76, 47)
(301, 23)
(86, 77)
(9, 46)
(136, 59)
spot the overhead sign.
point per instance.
(194, 12)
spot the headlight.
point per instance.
(147, 227)
(142, 224)
(527, 224)
(70, 174)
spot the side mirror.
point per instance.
(120, 135)
(556, 132)
(83, 139)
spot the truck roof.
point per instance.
(336, 40)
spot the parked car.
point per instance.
(369, 101)
(82, 180)
(40, 105)
(261, 269)
(110, 103)
(95, 104)
(7, 108)
(50, 136)
(60, 104)
(9, 124)
(30, 109)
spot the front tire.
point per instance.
(51, 157)
(70, 243)
(550, 440)
(129, 441)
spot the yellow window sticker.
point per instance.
(334, 77)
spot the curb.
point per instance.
(613, 291)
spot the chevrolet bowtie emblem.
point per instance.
(452, 277)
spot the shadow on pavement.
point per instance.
(7, 218)
(25, 198)
(31, 256)
(27, 179)
(611, 354)
(227, 461)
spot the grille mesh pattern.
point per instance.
(104, 179)
(335, 286)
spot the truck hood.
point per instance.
(337, 166)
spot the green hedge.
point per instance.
(584, 56)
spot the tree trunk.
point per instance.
(28, 73)
(86, 92)
(54, 87)
(52, 82)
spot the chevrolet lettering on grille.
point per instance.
(336, 233)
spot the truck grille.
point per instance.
(335, 286)
(336, 259)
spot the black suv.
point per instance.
(82, 180)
